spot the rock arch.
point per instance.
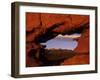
(41, 27)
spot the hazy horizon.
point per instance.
(62, 42)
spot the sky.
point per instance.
(63, 42)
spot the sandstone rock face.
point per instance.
(33, 20)
(70, 22)
(77, 60)
(82, 50)
(41, 27)
(83, 42)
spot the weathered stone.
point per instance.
(83, 42)
(32, 20)
(46, 26)
(78, 59)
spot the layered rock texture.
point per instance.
(41, 27)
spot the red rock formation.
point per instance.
(83, 42)
(82, 50)
(76, 60)
(32, 20)
(38, 25)
(71, 22)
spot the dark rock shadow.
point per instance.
(55, 57)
